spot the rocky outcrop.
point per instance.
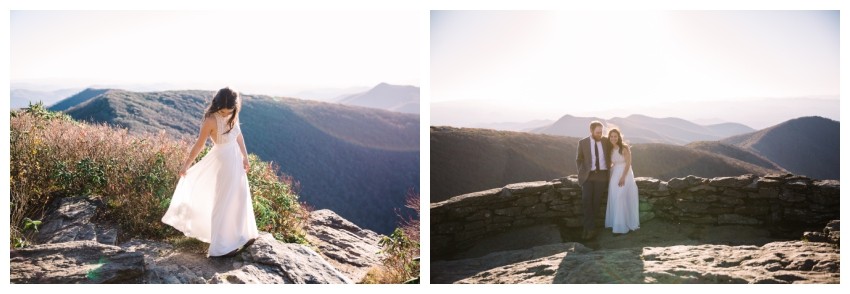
(71, 221)
(534, 265)
(295, 263)
(650, 255)
(76, 262)
(73, 255)
(267, 261)
(773, 263)
(168, 264)
(830, 234)
(73, 249)
(786, 205)
(572, 263)
(349, 248)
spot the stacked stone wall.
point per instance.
(786, 204)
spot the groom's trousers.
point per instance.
(591, 197)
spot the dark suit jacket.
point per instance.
(584, 157)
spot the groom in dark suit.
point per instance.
(592, 175)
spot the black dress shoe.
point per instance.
(249, 243)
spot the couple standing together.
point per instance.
(606, 163)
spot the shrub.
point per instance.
(54, 156)
(400, 250)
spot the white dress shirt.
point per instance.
(602, 163)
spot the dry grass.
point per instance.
(53, 156)
(188, 244)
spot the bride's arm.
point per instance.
(206, 129)
(627, 153)
(241, 141)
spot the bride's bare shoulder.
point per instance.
(209, 122)
(209, 119)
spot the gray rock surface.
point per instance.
(349, 248)
(572, 263)
(267, 261)
(830, 234)
(72, 254)
(659, 252)
(777, 262)
(86, 262)
(249, 274)
(294, 262)
(71, 221)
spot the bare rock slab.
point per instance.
(349, 248)
(82, 262)
(69, 222)
(297, 264)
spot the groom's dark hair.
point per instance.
(594, 124)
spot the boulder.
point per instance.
(296, 263)
(349, 248)
(79, 262)
(70, 221)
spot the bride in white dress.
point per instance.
(622, 214)
(212, 201)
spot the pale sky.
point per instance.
(574, 62)
(295, 50)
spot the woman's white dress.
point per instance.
(212, 202)
(622, 214)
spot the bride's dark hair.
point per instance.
(225, 99)
(619, 143)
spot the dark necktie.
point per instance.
(596, 150)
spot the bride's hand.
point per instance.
(183, 170)
(245, 163)
(622, 181)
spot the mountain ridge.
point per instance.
(639, 128)
(465, 160)
(388, 97)
(816, 137)
(368, 154)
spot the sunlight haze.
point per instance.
(543, 64)
(260, 52)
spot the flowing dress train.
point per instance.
(212, 202)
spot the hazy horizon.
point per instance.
(316, 93)
(758, 68)
(262, 52)
(757, 113)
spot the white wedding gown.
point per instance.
(212, 202)
(622, 214)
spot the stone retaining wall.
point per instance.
(786, 204)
